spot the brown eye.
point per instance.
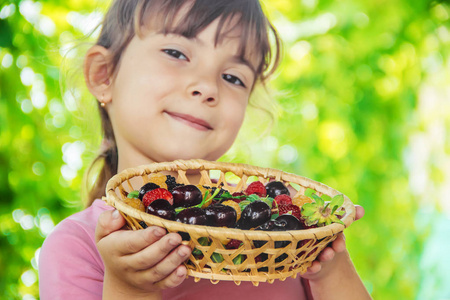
(175, 53)
(233, 79)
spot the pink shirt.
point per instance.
(70, 267)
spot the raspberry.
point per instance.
(155, 194)
(256, 187)
(233, 244)
(283, 199)
(289, 209)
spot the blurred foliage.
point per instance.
(363, 86)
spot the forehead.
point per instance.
(189, 19)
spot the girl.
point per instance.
(173, 79)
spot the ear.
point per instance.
(96, 73)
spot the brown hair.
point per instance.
(126, 18)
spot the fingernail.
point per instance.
(181, 272)
(173, 242)
(159, 232)
(115, 214)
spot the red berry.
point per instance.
(256, 187)
(283, 199)
(155, 194)
(289, 209)
(233, 244)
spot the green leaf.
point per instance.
(309, 192)
(133, 194)
(318, 200)
(237, 260)
(217, 257)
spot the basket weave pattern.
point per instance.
(279, 263)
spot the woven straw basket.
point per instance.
(298, 255)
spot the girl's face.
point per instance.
(178, 98)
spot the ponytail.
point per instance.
(104, 165)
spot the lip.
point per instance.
(190, 121)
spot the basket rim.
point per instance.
(239, 169)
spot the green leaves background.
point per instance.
(364, 107)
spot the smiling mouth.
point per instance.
(190, 121)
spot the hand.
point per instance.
(141, 262)
(327, 254)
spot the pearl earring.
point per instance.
(102, 103)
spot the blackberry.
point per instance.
(171, 183)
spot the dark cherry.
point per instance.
(254, 214)
(271, 225)
(186, 196)
(275, 188)
(147, 187)
(161, 208)
(290, 222)
(193, 216)
(219, 215)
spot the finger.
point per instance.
(174, 279)
(326, 255)
(168, 265)
(338, 245)
(161, 252)
(313, 269)
(359, 212)
(108, 222)
(133, 242)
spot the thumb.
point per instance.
(108, 222)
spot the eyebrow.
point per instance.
(241, 60)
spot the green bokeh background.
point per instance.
(364, 106)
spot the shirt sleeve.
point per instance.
(70, 266)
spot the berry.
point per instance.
(275, 188)
(192, 215)
(219, 215)
(299, 200)
(158, 193)
(233, 244)
(159, 179)
(254, 214)
(171, 183)
(146, 188)
(186, 196)
(289, 209)
(135, 203)
(256, 187)
(283, 199)
(161, 208)
(234, 205)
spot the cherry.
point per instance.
(220, 215)
(254, 214)
(161, 208)
(193, 216)
(186, 196)
(275, 188)
(290, 222)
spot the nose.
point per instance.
(206, 90)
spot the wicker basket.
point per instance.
(280, 263)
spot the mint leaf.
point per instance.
(217, 257)
(133, 194)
